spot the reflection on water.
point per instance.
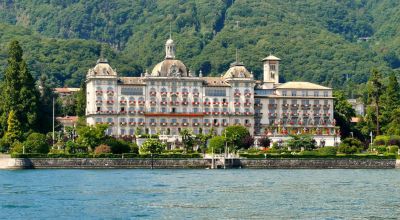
(200, 194)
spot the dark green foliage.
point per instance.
(315, 155)
(90, 137)
(350, 146)
(301, 141)
(80, 98)
(117, 146)
(343, 112)
(36, 143)
(64, 36)
(236, 136)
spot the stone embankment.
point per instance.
(103, 163)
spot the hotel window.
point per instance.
(152, 83)
(325, 102)
(284, 93)
(131, 131)
(272, 67)
(294, 93)
(109, 120)
(207, 110)
(294, 101)
(122, 131)
(237, 121)
(195, 110)
(140, 120)
(163, 120)
(325, 93)
(272, 101)
(184, 110)
(316, 93)
(163, 110)
(206, 120)
(195, 91)
(195, 99)
(152, 120)
(237, 110)
(152, 109)
(131, 120)
(163, 83)
(284, 102)
(184, 120)
(98, 120)
(225, 110)
(304, 93)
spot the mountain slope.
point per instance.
(317, 40)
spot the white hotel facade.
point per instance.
(171, 98)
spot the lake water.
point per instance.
(200, 194)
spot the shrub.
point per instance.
(247, 142)
(299, 141)
(134, 148)
(350, 146)
(381, 140)
(70, 147)
(381, 149)
(117, 146)
(36, 143)
(393, 149)
(327, 150)
(102, 149)
(394, 140)
(347, 149)
(17, 147)
(264, 142)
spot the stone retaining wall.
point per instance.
(319, 163)
(88, 163)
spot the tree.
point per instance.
(217, 143)
(91, 136)
(187, 139)
(81, 100)
(117, 146)
(19, 93)
(235, 134)
(152, 146)
(375, 90)
(36, 143)
(343, 112)
(390, 101)
(299, 141)
(202, 140)
(393, 128)
(46, 105)
(14, 131)
(247, 142)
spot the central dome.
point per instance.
(170, 68)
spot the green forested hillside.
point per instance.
(316, 39)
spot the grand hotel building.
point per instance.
(171, 98)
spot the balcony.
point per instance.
(185, 124)
(207, 103)
(163, 123)
(153, 102)
(195, 103)
(317, 106)
(122, 102)
(247, 125)
(247, 104)
(285, 106)
(132, 102)
(248, 94)
(163, 103)
(272, 115)
(164, 93)
(225, 124)
(123, 123)
(272, 106)
(326, 114)
(215, 103)
(195, 124)
(224, 113)
(110, 102)
(141, 123)
(141, 112)
(306, 114)
(237, 113)
(185, 93)
(185, 103)
(294, 106)
(216, 124)
(132, 112)
(123, 112)
(207, 113)
(132, 123)
(99, 92)
(285, 115)
(326, 106)
(248, 113)
(236, 103)
(196, 94)
(207, 124)
(216, 113)
(99, 102)
(305, 106)
(153, 124)
(174, 123)
(110, 123)
(174, 93)
(110, 92)
(294, 114)
(152, 93)
(175, 103)
(236, 94)
(110, 112)
(141, 102)
(225, 103)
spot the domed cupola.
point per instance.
(237, 70)
(170, 67)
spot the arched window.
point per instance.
(184, 90)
